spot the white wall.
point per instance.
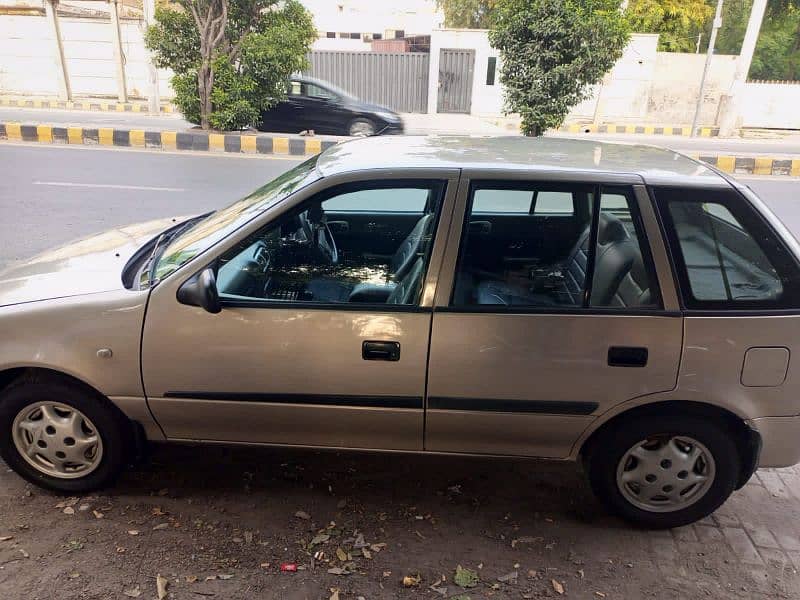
(772, 105)
(486, 99)
(415, 17)
(28, 66)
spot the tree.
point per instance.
(467, 14)
(678, 22)
(231, 58)
(552, 50)
(777, 54)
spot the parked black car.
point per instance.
(317, 105)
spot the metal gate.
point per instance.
(456, 68)
(398, 80)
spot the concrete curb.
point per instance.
(277, 145)
(92, 104)
(640, 129)
(201, 141)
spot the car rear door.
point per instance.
(526, 353)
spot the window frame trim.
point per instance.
(689, 305)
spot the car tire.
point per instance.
(71, 408)
(663, 471)
(361, 128)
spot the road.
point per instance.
(219, 522)
(54, 194)
(416, 124)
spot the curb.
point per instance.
(167, 140)
(92, 105)
(640, 129)
(752, 165)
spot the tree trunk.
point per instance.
(205, 82)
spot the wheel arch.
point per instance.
(747, 439)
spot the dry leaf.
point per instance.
(83, 507)
(24, 553)
(161, 587)
(163, 492)
(120, 550)
(191, 578)
(69, 510)
(509, 578)
(248, 537)
(341, 554)
(334, 594)
(225, 577)
(133, 532)
(526, 539)
(320, 538)
(6, 538)
(366, 553)
(377, 547)
(301, 514)
(211, 578)
(98, 514)
(557, 586)
(133, 592)
(411, 581)
(600, 594)
(160, 526)
(157, 512)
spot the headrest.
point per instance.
(611, 229)
(315, 213)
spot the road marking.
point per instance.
(147, 188)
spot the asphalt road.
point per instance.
(50, 195)
(415, 124)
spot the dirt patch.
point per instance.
(220, 523)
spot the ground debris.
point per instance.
(161, 587)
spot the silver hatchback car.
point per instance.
(619, 305)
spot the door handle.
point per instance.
(381, 351)
(627, 356)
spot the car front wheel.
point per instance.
(61, 436)
(663, 472)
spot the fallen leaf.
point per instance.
(226, 576)
(334, 594)
(237, 540)
(509, 577)
(248, 537)
(264, 565)
(526, 539)
(120, 550)
(360, 542)
(24, 553)
(377, 547)
(161, 587)
(69, 510)
(160, 526)
(191, 578)
(163, 491)
(465, 578)
(411, 580)
(97, 514)
(133, 592)
(339, 571)
(74, 575)
(211, 578)
(341, 554)
(557, 586)
(83, 507)
(157, 512)
(6, 538)
(600, 594)
(367, 554)
(301, 514)
(133, 532)
(581, 573)
(318, 539)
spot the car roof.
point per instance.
(652, 164)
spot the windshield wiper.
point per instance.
(148, 268)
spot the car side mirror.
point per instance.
(201, 290)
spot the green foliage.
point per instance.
(552, 51)
(777, 54)
(676, 21)
(224, 78)
(467, 14)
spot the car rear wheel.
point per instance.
(361, 128)
(663, 472)
(61, 436)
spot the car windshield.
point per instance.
(207, 232)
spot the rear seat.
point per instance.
(619, 269)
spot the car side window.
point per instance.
(555, 258)
(728, 257)
(319, 93)
(295, 88)
(337, 249)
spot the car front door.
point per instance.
(559, 309)
(317, 343)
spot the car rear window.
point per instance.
(727, 255)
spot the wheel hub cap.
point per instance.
(57, 440)
(665, 473)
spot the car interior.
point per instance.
(330, 253)
(538, 254)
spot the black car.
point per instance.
(317, 105)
